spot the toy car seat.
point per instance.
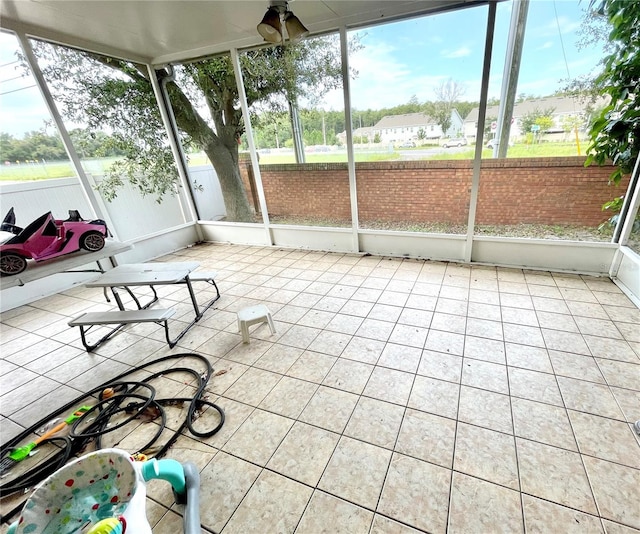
(104, 492)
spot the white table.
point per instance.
(65, 264)
(154, 274)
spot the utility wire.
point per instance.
(19, 89)
(564, 55)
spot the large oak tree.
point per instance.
(105, 93)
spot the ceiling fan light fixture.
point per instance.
(270, 28)
(295, 29)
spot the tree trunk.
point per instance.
(222, 151)
(234, 193)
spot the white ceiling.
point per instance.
(163, 31)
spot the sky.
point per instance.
(398, 61)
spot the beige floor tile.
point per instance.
(446, 342)
(542, 422)
(481, 310)
(223, 484)
(519, 316)
(611, 349)
(441, 366)
(591, 343)
(620, 374)
(343, 323)
(375, 329)
(427, 437)
(235, 413)
(486, 454)
(289, 397)
(617, 528)
(299, 336)
(479, 506)
(451, 306)
(375, 422)
(274, 502)
(312, 366)
(554, 474)
(449, 323)
(541, 517)
(385, 312)
(565, 341)
(356, 472)
(616, 490)
(525, 335)
(485, 375)
(527, 357)
(629, 401)
(576, 366)
(329, 408)
(606, 439)
(484, 328)
(304, 453)
(278, 359)
(348, 375)
(389, 385)
(541, 387)
(416, 493)
(332, 343)
(293, 314)
(488, 350)
(253, 386)
(327, 514)
(258, 437)
(421, 318)
(435, 396)
(588, 397)
(384, 525)
(412, 336)
(363, 350)
(356, 308)
(485, 408)
(400, 357)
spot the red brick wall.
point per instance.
(512, 191)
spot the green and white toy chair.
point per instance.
(104, 492)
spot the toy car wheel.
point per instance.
(12, 263)
(92, 241)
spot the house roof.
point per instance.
(405, 120)
(560, 104)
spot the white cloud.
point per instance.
(463, 51)
(547, 44)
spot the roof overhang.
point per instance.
(166, 31)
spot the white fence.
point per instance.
(130, 215)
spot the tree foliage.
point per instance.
(107, 93)
(615, 132)
(539, 117)
(39, 145)
(447, 94)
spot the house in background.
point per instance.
(406, 127)
(562, 106)
(399, 128)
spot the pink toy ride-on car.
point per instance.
(46, 238)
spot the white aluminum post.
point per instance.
(633, 199)
(252, 147)
(482, 110)
(176, 148)
(351, 165)
(85, 185)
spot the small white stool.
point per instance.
(252, 315)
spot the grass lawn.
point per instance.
(63, 169)
(541, 150)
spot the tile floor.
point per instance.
(397, 396)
